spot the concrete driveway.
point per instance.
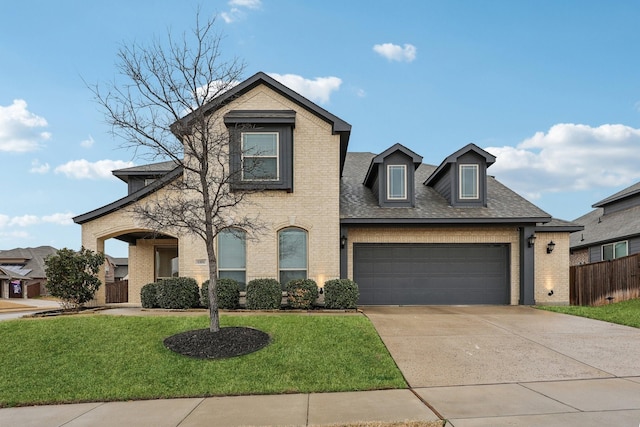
(515, 365)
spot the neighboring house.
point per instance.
(611, 230)
(115, 269)
(406, 232)
(22, 271)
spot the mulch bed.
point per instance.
(227, 342)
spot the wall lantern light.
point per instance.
(550, 292)
(550, 247)
(343, 241)
(531, 240)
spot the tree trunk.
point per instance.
(214, 317)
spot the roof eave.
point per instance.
(129, 199)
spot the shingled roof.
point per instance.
(358, 204)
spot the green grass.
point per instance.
(102, 358)
(623, 313)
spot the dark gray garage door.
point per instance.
(432, 274)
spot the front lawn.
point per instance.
(623, 313)
(102, 358)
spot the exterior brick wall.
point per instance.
(552, 270)
(312, 206)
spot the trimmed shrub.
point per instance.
(301, 293)
(228, 291)
(341, 293)
(178, 293)
(264, 294)
(149, 295)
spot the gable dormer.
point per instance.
(138, 177)
(391, 177)
(462, 177)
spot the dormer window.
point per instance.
(469, 188)
(260, 156)
(397, 182)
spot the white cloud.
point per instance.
(394, 52)
(59, 218)
(250, 4)
(317, 90)
(237, 11)
(28, 220)
(87, 143)
(20, 129)
(570, 157)
(83, 169)
(37, 167)
(23, 221)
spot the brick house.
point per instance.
(407, 232)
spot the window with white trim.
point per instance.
(292, 254)
(615, 250)
(232, 255)
(260, 156)
(397, 182)
(469, 182)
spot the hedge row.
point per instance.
(261, 294)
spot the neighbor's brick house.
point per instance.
(407, 232)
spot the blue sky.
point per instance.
(552, 88)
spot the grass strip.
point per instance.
(105, 358)
(623, 313)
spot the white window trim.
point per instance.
(613, 244)
(277, 156)
(477, 186)
(404, 190)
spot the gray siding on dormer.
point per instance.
(444, 186)
(375, 188)
(136, 183)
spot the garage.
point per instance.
(432, 274)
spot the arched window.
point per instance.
(232, 255)
(292, 254)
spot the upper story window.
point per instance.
(615, 250)
(260, 156)
(261, 149)
(469, 180)
(232, 255)
(397, 182)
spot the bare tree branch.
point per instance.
(161, 84)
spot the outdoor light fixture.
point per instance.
(550, 247)
(550, 292)
(343, 241)
(531, 240)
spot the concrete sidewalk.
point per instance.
(270, 410)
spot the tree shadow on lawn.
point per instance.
(227, 342)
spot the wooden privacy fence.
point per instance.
(117, 291)
(606, 281)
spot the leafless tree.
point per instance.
(159, 107)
